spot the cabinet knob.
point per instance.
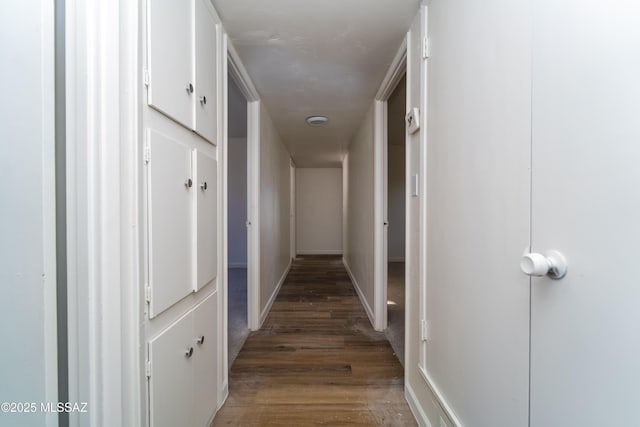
(189, 352)
(551, 263)
(189, 88)
(200, 340)
(188, 183)
(203, 100)
(203, 185)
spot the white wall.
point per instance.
(274, 212)
(358, 253)
(28, 369)
(319, 210)
(237, 202)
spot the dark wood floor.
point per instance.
(316, 360)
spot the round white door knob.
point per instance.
(552, 264)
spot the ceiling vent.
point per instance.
(317, 120)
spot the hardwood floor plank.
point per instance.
(317, 360)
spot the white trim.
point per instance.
(292, 210)
(414, 405)
(253, 215)
(380, 231)
(224, 393)
(363, 300)
(237, 264)
(394, 73)
(274, 294)
(222, 150)
(240, 75)
(102, 133)
(320, 252)
(48, 164)
(422, 235)
(440, 398)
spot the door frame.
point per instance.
(232, 66)
(396, 71)
(292, 210)
(103, 127)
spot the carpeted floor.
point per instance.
(238, 330)
(395, 308)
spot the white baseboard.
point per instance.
(444, 405)
(224, 393)
(274, 294)
(237, 265)
(396, 259)
(416, 409)
(365, 304)
(319, 252)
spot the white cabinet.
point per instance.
(170, 221)
(206, 236)
(182, 54)
(171, 375)
(182, 369)
(205, 360)
(206, 37)
(170, 59)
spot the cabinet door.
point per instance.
(170, 222)
(585, 328)
(170, 59)
(207, 218)
(171, 380)
(205, 360)
(206, 42)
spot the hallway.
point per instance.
(316, 360)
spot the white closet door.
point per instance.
(478, 153)
(205, 360)
(206, 41)
(171, 381)
(207, 235)
(170, 221)
(585, 343)
(170, 59)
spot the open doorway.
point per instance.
(395, 207)
(396, 196)
(237, 326)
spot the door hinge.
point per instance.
(145, 77)
(147, 368)
(426, 48)
(147, 153)
(424, 334)
(147, 294)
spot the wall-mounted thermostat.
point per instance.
(413, 120)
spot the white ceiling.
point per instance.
(325, 57)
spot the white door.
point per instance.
(205, 360)
(170, 59)
(206, 41)
(207, 219)
(171, 355)
(170, 207)
(478, 209)
(585, 328)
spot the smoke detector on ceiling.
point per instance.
(317, 120)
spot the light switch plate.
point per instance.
(414, 185)
(413, 120)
